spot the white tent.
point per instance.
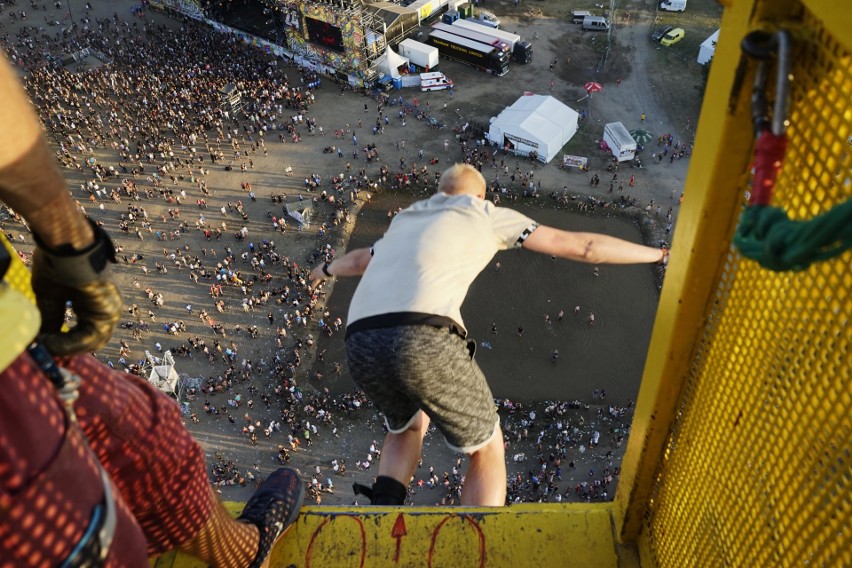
(534, 123)
(389, 62)
(708, 48)
(161, 372)
(301, 211)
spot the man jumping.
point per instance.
(406, 341)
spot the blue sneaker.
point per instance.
(274, 507)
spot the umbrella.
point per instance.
(592, 87)
(641, 136)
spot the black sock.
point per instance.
(366, 490)
(388, 491)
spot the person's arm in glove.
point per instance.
(70, 263)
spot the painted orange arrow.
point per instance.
(398, 532)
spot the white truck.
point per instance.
(487, 19)
(673, 5)
(620, 142)
(420, 54)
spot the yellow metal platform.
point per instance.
(546, 536)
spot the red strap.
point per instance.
(768, 155)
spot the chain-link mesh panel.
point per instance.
(18, 276)
(758, 465)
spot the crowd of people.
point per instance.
(155, 155)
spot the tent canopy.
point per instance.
(708, 48)
(534, 123)
(390, 62)
(301, 211)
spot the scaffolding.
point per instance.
(374, 34)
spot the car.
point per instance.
(673, 37)
(660, 32)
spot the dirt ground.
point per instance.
(637, 77)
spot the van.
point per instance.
(435, 81)
(672, 37)
(487, 19)
(673, 5)
(577, 16)
(595, 23)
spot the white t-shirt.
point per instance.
(432, 252)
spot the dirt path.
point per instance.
(636, 95)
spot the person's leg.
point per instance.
(376, 358)
(272, 509)
(159, 469)
(50, 483)
(222, 541)
(401, 450)
(460, 403)
(485, 482)
(396, 367)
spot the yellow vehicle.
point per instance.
(673, 37)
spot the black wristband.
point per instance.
(325, 270)
(79, 267)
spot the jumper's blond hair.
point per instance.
(462, 178)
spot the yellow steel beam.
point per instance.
(577, 535)
(702, 241)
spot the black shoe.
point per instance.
(385, 491)
(365, 490)
(274, 507)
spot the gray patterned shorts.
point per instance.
(408, 368)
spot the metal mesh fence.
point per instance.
(18, 276)
(758, 464)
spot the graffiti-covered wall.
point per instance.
(317, 41)
(326, 35)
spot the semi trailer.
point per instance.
(521, 50)
(420, 54)
(480, 55)
(472, 35)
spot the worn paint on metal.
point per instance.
(522, 535)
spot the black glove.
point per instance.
(82, 278)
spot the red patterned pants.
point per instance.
(50, 482)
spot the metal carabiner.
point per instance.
(764, 47)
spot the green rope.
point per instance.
(766, 234)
